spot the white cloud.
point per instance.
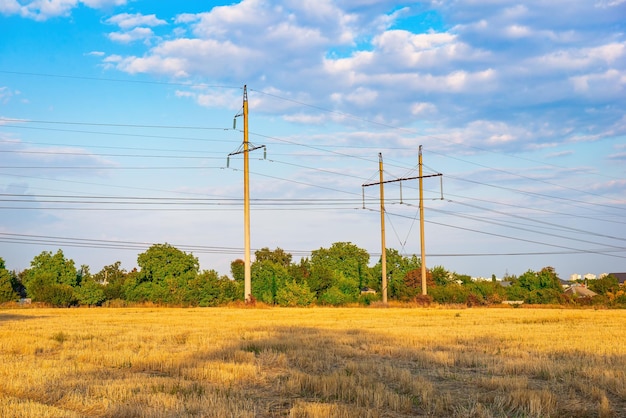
(42, 10)
(611, 82)
(499, 60)
(9, 7)
(131, 35)
(422, 108)
(127, 21)
(99, 4)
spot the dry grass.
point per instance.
(319, 362)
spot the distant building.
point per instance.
(580, 291)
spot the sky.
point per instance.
(116, 125)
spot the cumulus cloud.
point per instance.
(45, 9)
(128, 21)
(498, 74)
(131, 35)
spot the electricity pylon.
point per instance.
(382, 220)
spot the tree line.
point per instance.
(337, 275)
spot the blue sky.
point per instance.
(116, 120)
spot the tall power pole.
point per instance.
(245, 150)
(422, 244)
(383, 259)
(246, 201)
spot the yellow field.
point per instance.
(318, 362)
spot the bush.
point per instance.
(294, 294)
(450, 293)
(333, 296)
(90, 293)
(59, 295)
(367, 298)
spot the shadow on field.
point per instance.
(280, 371)
(368, 374)
(4, 317)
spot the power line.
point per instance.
(118, 125)
(118, 80)
(599, 252)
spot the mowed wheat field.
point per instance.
(316, 362)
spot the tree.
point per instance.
(7, 284)
(278, 256)
(440, 275)
(237, 269)
(52, 279)
(112, 277)
(604, 285)
(203, 290)
(163, 261)
(398, 266)
(163, 276)
(537, 287)
(267, 277)
(90, 293)
(343, 265)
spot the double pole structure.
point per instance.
(383, 259)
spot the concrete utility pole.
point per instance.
(422, 245)
(245, 150)
(383, 259)
(246, 200)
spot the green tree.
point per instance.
(320, 278)
(90, 292)
(300, 272)
(203, 290)
(278, 256)
(536, 287)
(267, 277)
(164, 275)
(163, 261)
(604, 285)
(343, 265)
(230, 290)
(237, 269)
(7, 284)
(51, 279)
(112, 278)
(398, 266)
(440, 275)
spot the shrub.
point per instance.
(450, 293)
(90, 293)
(294, 294)
(333, 296)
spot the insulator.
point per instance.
(228, 162)
(234, 123)
(264, 153)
